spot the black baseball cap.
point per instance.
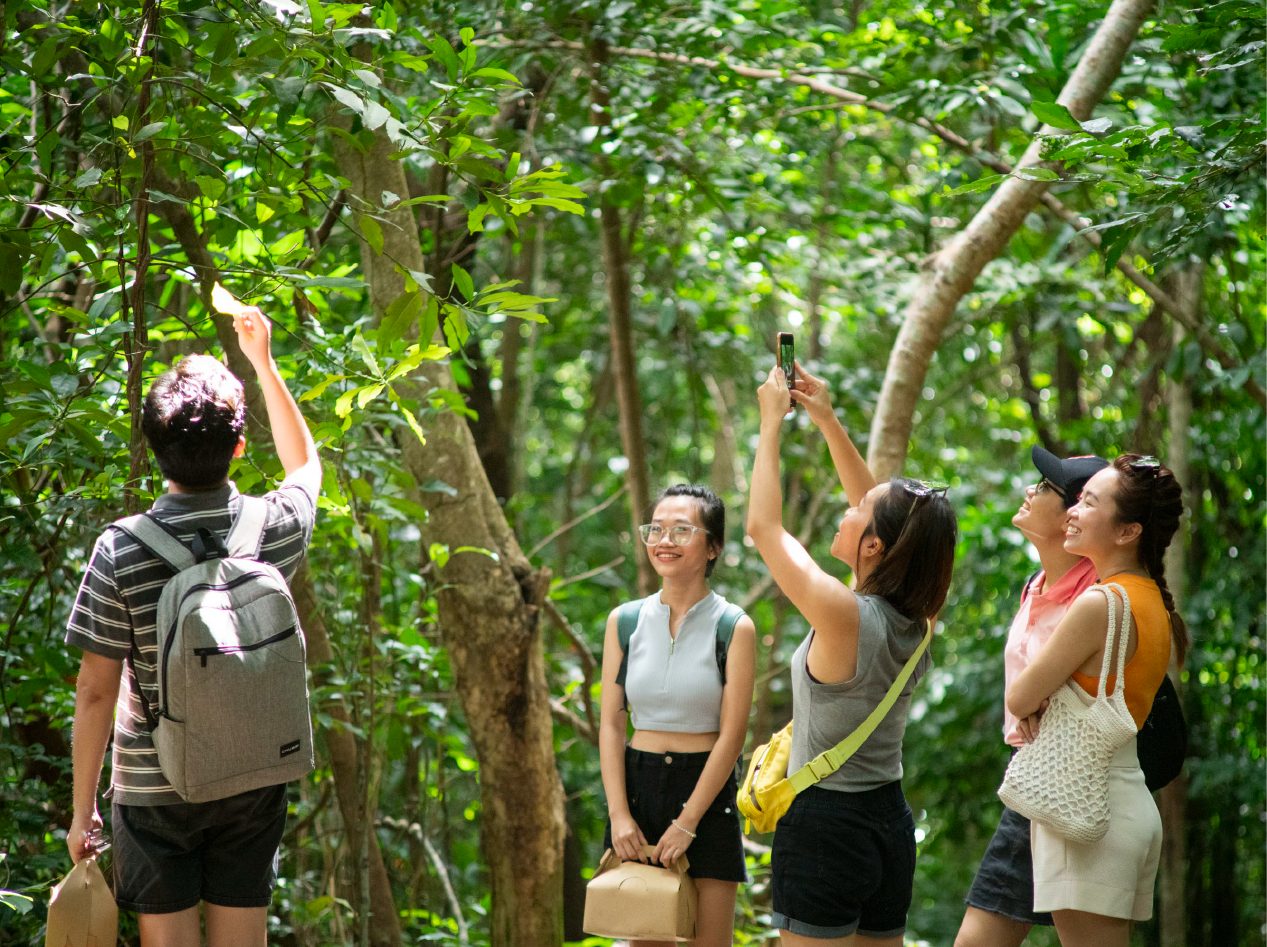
(1069, 475)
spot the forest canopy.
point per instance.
(525, 263)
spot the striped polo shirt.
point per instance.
(117, 605)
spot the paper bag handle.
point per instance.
(611, 860)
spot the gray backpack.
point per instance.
(232, 710)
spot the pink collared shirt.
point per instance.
(1037, 618)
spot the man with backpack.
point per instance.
(207, 841)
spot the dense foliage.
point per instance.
(145, 145)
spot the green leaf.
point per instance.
(448, 58)
(475, 219)
(362, 348)
(287, 244)
(368, 394)
(1036, 173)
(372, 232)
(149, 131)
(491, 72)
(400, 315)
(1055, 115)
(415, 356)
(343, 407)
(317, 390)
(410, 418)
(463, 281)
(45, 56)
(347, 97)
(375, 115)
(87, 178)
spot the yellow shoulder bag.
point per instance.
(768, 790)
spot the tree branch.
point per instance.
(1209, 344)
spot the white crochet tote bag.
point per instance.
(1062, 778)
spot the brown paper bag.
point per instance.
(636, 901)
(82, 912)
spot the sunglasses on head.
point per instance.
(919, 489)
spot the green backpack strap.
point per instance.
(626, 622)
(725, 631)
(827, 762)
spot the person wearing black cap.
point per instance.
(1000, 903)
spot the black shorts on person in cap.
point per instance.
(168, 858)
(658, 785)
(844, 863)
(1005, 881)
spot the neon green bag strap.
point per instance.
(831, 760)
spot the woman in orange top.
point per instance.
(1123, 522)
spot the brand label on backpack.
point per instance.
(291, 747)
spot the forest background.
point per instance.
(524, 263)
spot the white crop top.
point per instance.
(671, 683)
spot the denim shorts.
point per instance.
(168, 858)
(1005, 881)
(844, 863)
(657, 786)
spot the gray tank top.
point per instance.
(825, 714)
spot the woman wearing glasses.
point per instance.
(1001, 901)
(687, 695)
(1123, 522)
(844, 854)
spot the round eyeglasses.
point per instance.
(679, 535)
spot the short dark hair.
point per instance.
(1149, 494)
(712, 513)
(193, 418)
(918, 528)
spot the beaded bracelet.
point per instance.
(678, 825)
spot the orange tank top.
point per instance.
(1147, 665)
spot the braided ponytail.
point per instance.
(1155, 563)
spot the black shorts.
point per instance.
(168, 858)
(658, 785)
(1005, 881)
(844, 862)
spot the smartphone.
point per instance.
(787, 359)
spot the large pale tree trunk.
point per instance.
(1173, 800)
(950, 273)
(489, 609)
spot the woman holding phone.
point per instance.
(1123, 521)
(844, 853)
(673, 785)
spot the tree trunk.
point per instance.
(620, 325)
(950, 273)
(1173, 799)
(489, 610)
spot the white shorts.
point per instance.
(1114, 876)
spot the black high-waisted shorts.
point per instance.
(657, 786)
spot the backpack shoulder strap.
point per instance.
(143, 528)
(827, 762)
(1028, 582)
(626, 623)
(726, 623)
(247, 535)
